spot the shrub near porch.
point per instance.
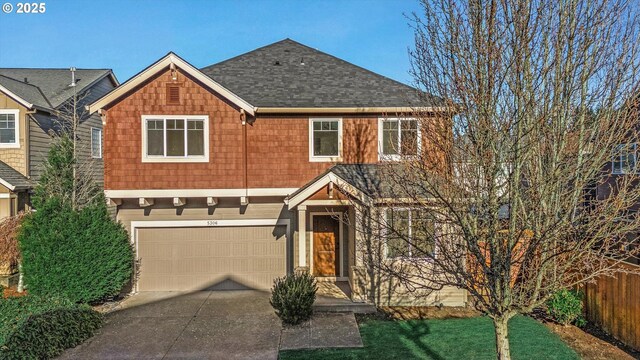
(471, 338)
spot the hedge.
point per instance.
(32, 327)
(81, 255)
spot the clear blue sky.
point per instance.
(129, 35)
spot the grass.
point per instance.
(471, 338)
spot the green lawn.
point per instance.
(445, 339)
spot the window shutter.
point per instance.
(173, 94)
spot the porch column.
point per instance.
(302, 235)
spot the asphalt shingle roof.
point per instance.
(368, 178)
(28, 92)
(13, 177)
(52, 84)
(290, 74)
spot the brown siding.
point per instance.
(122, 145)
(278, 149)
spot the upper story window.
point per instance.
(96, 143)
(398, 137)
(410, 233)
(325, 139)
(624, 159)
(175, 138)
(9, 128)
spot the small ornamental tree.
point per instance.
(80, 254)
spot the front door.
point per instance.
(326, 246)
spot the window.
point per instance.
(398, 137)
(175, 138)
(624, 159)
(410, 233)
(96, 143)
(325, 139)
(9, 128)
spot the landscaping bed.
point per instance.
(599, 347)
(461, 338)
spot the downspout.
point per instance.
(245, 182)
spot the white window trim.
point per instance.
(313, 158)
(99, 143)
(16, 144)
(396, 157)
(175, 159)
(619, 155)
(385, 236)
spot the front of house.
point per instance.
(231, 175)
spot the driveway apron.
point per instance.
(199, 325)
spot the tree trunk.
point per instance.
(20, 278)
(502, 337)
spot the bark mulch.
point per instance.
(592, 344)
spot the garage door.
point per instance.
(210, 258)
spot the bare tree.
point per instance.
(535, 105)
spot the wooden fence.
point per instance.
(613, 303)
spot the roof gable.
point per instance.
(288, 74)
(168, 61)
(49, 88)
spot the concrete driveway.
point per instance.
(200, 325)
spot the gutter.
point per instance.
(339, 110)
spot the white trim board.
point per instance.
(136, 225)
(161, 65)
(171, 193)
(341, 239)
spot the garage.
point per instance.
(210, 258)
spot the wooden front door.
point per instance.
(326, 246)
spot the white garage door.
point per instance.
(210, 258)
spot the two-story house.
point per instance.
(234, 174)
(33, 106)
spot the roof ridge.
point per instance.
(352, 64)
(316, 51)
(246, 53)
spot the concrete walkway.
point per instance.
(324, 330)
(200, 325)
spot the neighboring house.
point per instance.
(624, 161)
(33, 103)
(234, 174)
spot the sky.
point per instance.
(129, 35)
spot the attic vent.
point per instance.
(173, 94)
(277, 63)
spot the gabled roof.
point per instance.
(49, 88)
(163, 64)
(54, 83)
(12, 179)
(288, 74)
(363, 181)
(28, 95)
